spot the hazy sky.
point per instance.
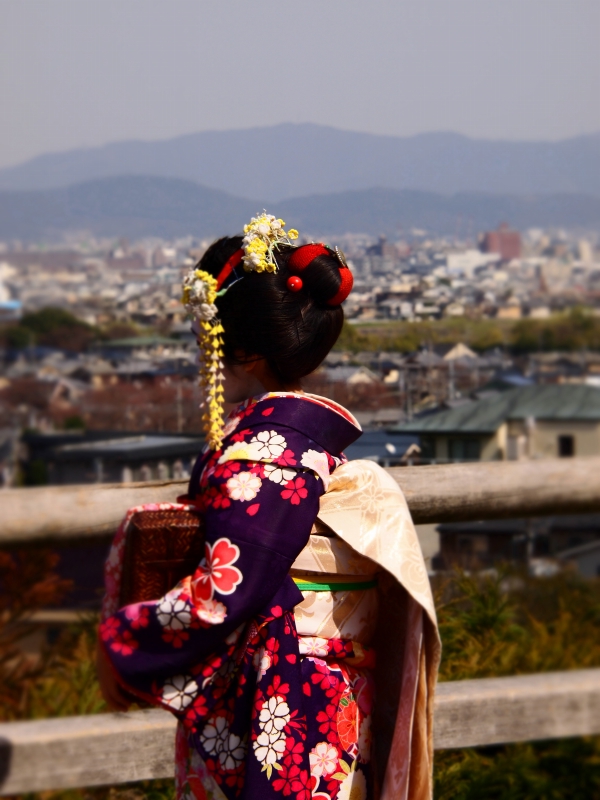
(85, 72)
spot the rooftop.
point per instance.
(547, 402)
(142, 446)
(140, 341)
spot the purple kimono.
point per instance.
(265, 713)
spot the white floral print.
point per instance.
(212, 612)
(279, 475)
(270, 743)
(274, 714)
(323, 759)
(269, 444)
(318, 463)
(268, 752)
(173, 613)
(312, 646)
(178, 692)
(265, 446)
(244, 486)
(372, 498)
(238, 451)
(214, 735)
(233, 752)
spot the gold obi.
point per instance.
(347, 612)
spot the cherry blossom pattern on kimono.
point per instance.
(221, 651)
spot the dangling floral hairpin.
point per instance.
(200, 291)
(261, 237)
(199, 294)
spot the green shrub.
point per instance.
(74, 423)
(508, 625)
(562, 770)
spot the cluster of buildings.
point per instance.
(505, 275)
(98, 281)
(127, 409)
(538, 421)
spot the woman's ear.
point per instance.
(253, 364)
(259, 369)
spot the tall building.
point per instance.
(504, 241)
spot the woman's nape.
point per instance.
(251, 376)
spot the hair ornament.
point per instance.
(229, 267)
(345, 288)
(294, 283)
(340, 256)
(261, 236)
(306, 254)
(199, 294)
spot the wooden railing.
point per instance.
(119, 748)
(439, 493)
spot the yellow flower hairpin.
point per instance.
(199, 294)
(261, 236)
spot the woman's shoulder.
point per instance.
(285, 434)
(307, 420)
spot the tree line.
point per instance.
(575, 329)
(572, 330)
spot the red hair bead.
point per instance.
(294, 283)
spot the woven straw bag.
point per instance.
(161, 548)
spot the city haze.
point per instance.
(85, 74)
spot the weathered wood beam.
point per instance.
(67, 512)
(501, 489)
(94, 750)
(518, 708)
(440, 493)
(118, 748)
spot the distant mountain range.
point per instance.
(128, 206)
(137, 206)
(287, 161)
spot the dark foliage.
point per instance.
(51, 327)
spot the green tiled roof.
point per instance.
(553, 402)
(139, 341)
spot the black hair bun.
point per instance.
(321, 277)
(293, 331)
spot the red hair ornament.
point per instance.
(306, 254)
(228, 268)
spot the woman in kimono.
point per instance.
(265, 654)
